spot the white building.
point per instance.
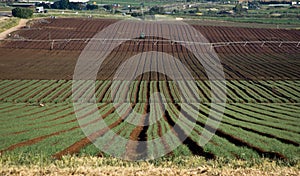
(79, 1)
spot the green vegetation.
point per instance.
(79, 14)
(267, 20)
(243, 133)
(259, 130)
(238, 8)
(5, 9)
(60, 91)
(286, 17)
(22, 12)
(8, 23)
(65, 4)
(133, 2)
(68, 161)
(38, 120)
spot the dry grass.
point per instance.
(7, 23)
(111, 166)
(147, 170)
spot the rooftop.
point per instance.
(82, 1)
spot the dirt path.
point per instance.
(21, 24)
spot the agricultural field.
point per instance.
(261, 116)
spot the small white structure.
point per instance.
(39, 10)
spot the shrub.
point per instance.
(22, 12)
(108, 7)
(74, 6)
(157, 10)
(91, 7)
(62, 4)
(136, 14)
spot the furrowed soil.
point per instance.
(37, 63)
(31, 54)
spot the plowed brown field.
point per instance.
(32, 54)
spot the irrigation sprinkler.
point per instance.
(52, 45)
(142, 35)
(155, 41)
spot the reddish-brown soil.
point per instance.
(35, 140)
(39, 60)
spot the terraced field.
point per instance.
(262, 109)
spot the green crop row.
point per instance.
(50, 91)
(237, 136)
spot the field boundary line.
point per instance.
(155, 41)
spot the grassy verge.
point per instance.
(290, 21)
(81, 15)
(251, 19)
(26, 164)
(231, 22)
(281, 21)
(8, 23)
(133, 2)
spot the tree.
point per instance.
(157, 10)
(108, 7)
(91, 7)
(22, 12)
(74, 6)
(238, 8)
(253, 5)
(64, 4)
(55, 5)
(136, 14)
(46, 6)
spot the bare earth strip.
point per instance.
(21, 24)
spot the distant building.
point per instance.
(279, 5)
(240, 1)
(79, 1)
(39, 10)
(22, 4)
(33, 1)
